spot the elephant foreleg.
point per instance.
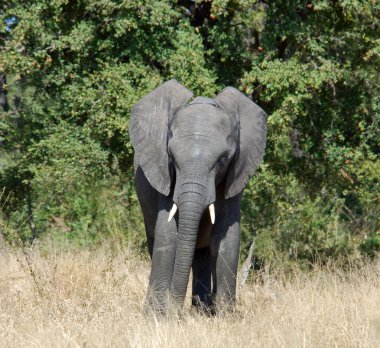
(225, 269)
(164, 247)
(225, 253)
(202, 279)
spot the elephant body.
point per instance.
(192, 162)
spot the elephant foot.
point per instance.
(223, 306)
(155, 303)
(202, 305)
(161, 305)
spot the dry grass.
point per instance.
(94, 299)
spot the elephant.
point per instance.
(192, 162)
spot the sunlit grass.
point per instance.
(95, 298)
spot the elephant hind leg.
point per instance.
(148, 198)
(201, 267)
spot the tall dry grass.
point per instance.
(95, 298)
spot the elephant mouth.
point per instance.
(211, 209)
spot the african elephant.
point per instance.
(195, 158)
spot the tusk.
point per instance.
(211, 208)
(172, 212)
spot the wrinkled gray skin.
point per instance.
(194, 155)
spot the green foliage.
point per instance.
(75, 68)
(322, 162)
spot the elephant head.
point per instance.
(187, 151)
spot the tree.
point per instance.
(317, 78)
(79, 66)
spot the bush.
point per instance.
(75, 69)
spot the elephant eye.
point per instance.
(222, 160)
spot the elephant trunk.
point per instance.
(192, 202)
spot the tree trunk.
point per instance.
(3, 93)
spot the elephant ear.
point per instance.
(148, 131)
(253, 131)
